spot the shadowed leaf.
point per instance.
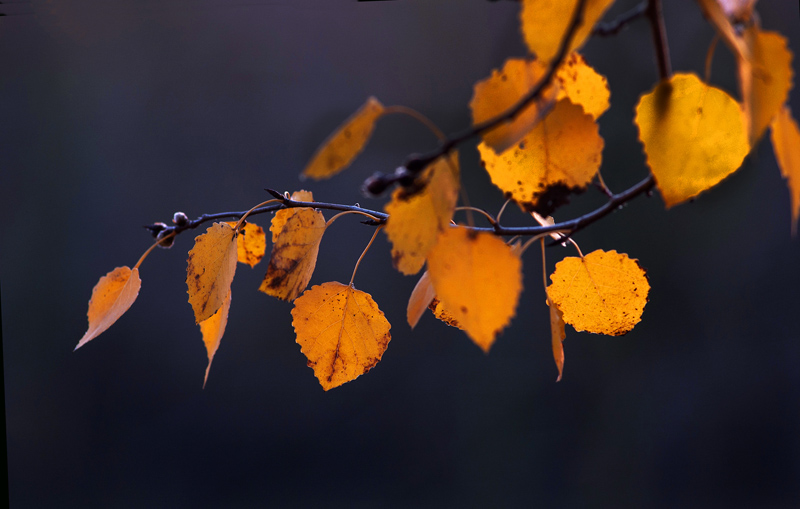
(251, 243)
(583, 85)
(210, 270)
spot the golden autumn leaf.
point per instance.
(421, 296)
(765, 80)
(111, 297)
(786, 145)
(440, 311)
(478, 279)
(544, 24)
(693, 136)
(212, 329)
(502, 90)
(416, 217)
(341, 332)
(557, 336)
(210, 270)
(715, 14)
(251, 243)
(559, 156)
(603, 293)
(583, 85)
(339, 150)
(296, 234)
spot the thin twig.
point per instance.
(613, 27)
(656, 17)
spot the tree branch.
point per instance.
(656, 17)
(613, 27)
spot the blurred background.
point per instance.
(117, 114)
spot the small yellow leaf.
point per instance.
(714, 13)
(111, 297)
(212, 329)
(210, 270)
(478, 279)
(421, 296)
(545, 22)
(557, 336)
(339, 150)
(693, 136)
(603, 293)
(251, 243)
(341, 332)
(440, 312)
(786, 145)
(416, 217)
(502, 90)
(583, 85)
(559, 156)
(296, 234)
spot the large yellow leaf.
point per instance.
(765, 81)
(417, 216)
(560, 155)
(210, 270)
(251, 243)
(715, 14)
(339, 150)
(693, 135)
(603, 293)
(502, 90)
(557, 336)
(341, 332)
(786, 144)
(111, 297)
(478, 279)
(583, 85)
(545, 22)
(213, 329)
(296, 234)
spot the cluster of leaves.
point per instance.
(539, 141)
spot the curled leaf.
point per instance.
(212, 329)
(786, 144)
(111, 297)
(557, 336)
(210, 270)
(341, 332)
(251, 243)
(421, 297)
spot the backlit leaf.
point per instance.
(210, 270)
(478, 279)
(786, 144)
(212, 329)
(251, 243)
(583, 85)
(693, 135)
(111, 297)
(545, 22)
(296, 234)
(715, 14)
(603, 293)
(440, 312)
(339, 150)
(421, 297)
(559, 156)
(557, 336)
(341, 332)
(417, 216)
(502, 90)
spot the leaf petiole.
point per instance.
(156, 243)
(374, 234)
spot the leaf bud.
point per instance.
(180, 219)
(156, 228)
(375, 185)
(167, 243)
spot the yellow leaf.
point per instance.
(714, 13)
(583, 85)
(786, 145)
(339, 150)
(421, 296)
(545, 22)
(212, 329)
(765, 81)
(478, 279)
(341, 332)
(296, 234)
(417, 216)
(440, 312)
(502, 90)
(557, 335)
(210, 271)
(559, 156)
(251, 243)
(693, 136)
(111, 297)
(605, 293)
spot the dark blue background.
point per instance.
(116, 114)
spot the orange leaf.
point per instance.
(560, 155)
(213, 329)
(786, 145)
(111, 297)
(478, 279)
(714, 13)
(341, 331)
(251, 243)
(421, 297)
(603, 293)
(693, 136)
(339, 150)
(583, 85)
(440, 312)
(296, 234)
(502, 90)
(557, 336)
(417, 216)
(545, 22)
(210, 271)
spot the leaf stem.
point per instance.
(374, 234)
(149, 249)
(244, 216)
(488, 216)
(404, 110)
(331, 220)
